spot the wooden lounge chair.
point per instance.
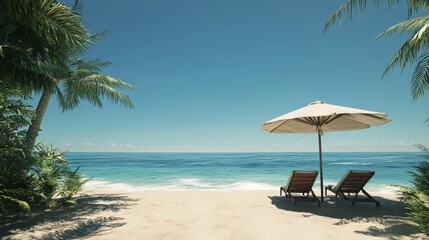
(300, 182)
(353, 182)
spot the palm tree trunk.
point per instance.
(33, 130)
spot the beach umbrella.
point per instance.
(320, 117)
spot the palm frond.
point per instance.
(98, 35)
(92, 88)
(406, 54)
(62, 24)
(10, 195)
(22, 204)
(349, 7)
(19, 58)
(417, 26)
(415, 5)
(92, 66)
(421, 177)
(107, 81)
(50, 19)
(77, 7)
(22, 75)
(37, 35)
(60, 95)
(420, 78)
(409, 51)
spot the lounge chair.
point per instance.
(353, 182)
(300, 182)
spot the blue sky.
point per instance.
(208, 74)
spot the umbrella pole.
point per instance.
(320, 163)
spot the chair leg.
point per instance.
(315, 197)
(377, 203)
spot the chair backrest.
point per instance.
(301, 181)
(353, 181)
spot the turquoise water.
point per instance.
(235, 171)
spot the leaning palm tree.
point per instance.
(74, 79)
(79, 80)
(416, 47)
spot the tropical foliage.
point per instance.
(41, 42)
(15, 115)
(36, 35)
(416, 197)
(413, 51)
(41, 177)
(51, 178)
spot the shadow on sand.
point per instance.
(391, 215)
(67, 223)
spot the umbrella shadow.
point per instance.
(67, 222)
(391, 215)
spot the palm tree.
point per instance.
(414, 50)
(33, 35)
(39, 44)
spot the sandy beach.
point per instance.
(204, 214)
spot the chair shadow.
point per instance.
(67, 222)
(391, 215)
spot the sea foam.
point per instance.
(198, 184)
(179, 184)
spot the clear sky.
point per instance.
(208, 74)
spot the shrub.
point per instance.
(416, 197)
(52, 179)
(72, 185)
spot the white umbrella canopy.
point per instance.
(319, 117)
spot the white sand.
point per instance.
(162, 214)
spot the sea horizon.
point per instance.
(402, 151)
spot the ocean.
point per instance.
(236, 171)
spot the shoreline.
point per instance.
(240, 186)
(202, 214)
